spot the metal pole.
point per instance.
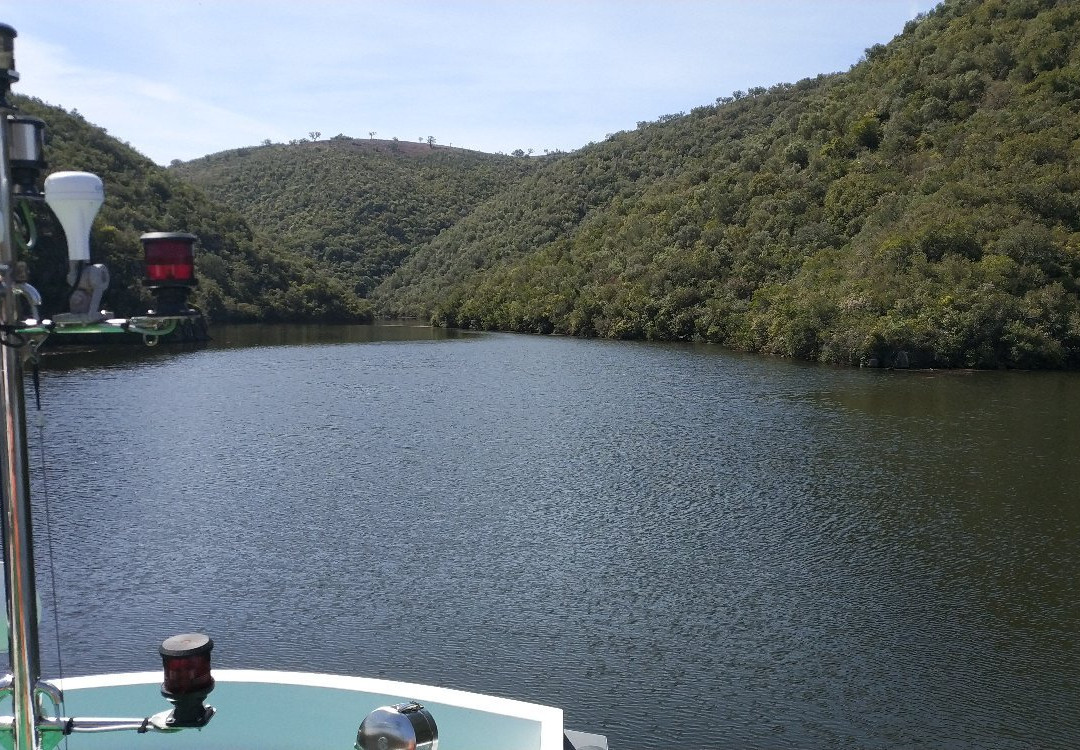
(15, 485)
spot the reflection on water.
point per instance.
(676, 544)
(118, 352)
(307, 335)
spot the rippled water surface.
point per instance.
(680, 546)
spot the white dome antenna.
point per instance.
(75, 198)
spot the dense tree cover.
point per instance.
(925, 202)
(240, 278)
(357, 207)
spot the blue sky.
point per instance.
(185, 78)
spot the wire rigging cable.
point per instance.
(48, 531)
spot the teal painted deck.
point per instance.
(297, 711)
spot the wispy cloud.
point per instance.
(182, 79)
(156, 117)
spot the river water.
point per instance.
(678, 545)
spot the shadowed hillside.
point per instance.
(241, 277)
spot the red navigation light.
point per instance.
(186, 660)
(170, 271)
(170, 259)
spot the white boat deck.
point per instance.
(296, 710)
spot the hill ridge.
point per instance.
(392, 146)
(354, 207)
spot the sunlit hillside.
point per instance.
(357, 207)
(925, 202)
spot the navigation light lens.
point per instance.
(186, 660)
(169, 258)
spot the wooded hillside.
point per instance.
(924, 202)
(356, 207)
(923, 206)
(241, 277)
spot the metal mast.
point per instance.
(14, 475)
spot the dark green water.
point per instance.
(680, 546)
